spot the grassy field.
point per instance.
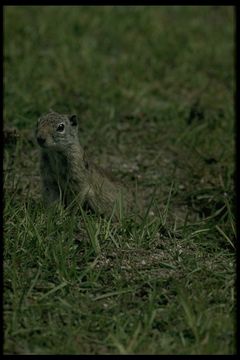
(153, 87)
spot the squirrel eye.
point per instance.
(60, 127)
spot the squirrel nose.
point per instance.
(40, 140)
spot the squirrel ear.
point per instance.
(73, 120)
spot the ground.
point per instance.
(154, 91)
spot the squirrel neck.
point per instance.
(74, 152)
(76, 165)
(74, 155)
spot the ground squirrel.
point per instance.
(68, 175)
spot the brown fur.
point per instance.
(68, 175)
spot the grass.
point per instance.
(153, 87)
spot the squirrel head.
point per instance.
(57, 131)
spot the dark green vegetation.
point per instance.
(154, 89)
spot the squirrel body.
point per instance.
(67, 174)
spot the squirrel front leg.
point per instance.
(50, 192)
(50, 189)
